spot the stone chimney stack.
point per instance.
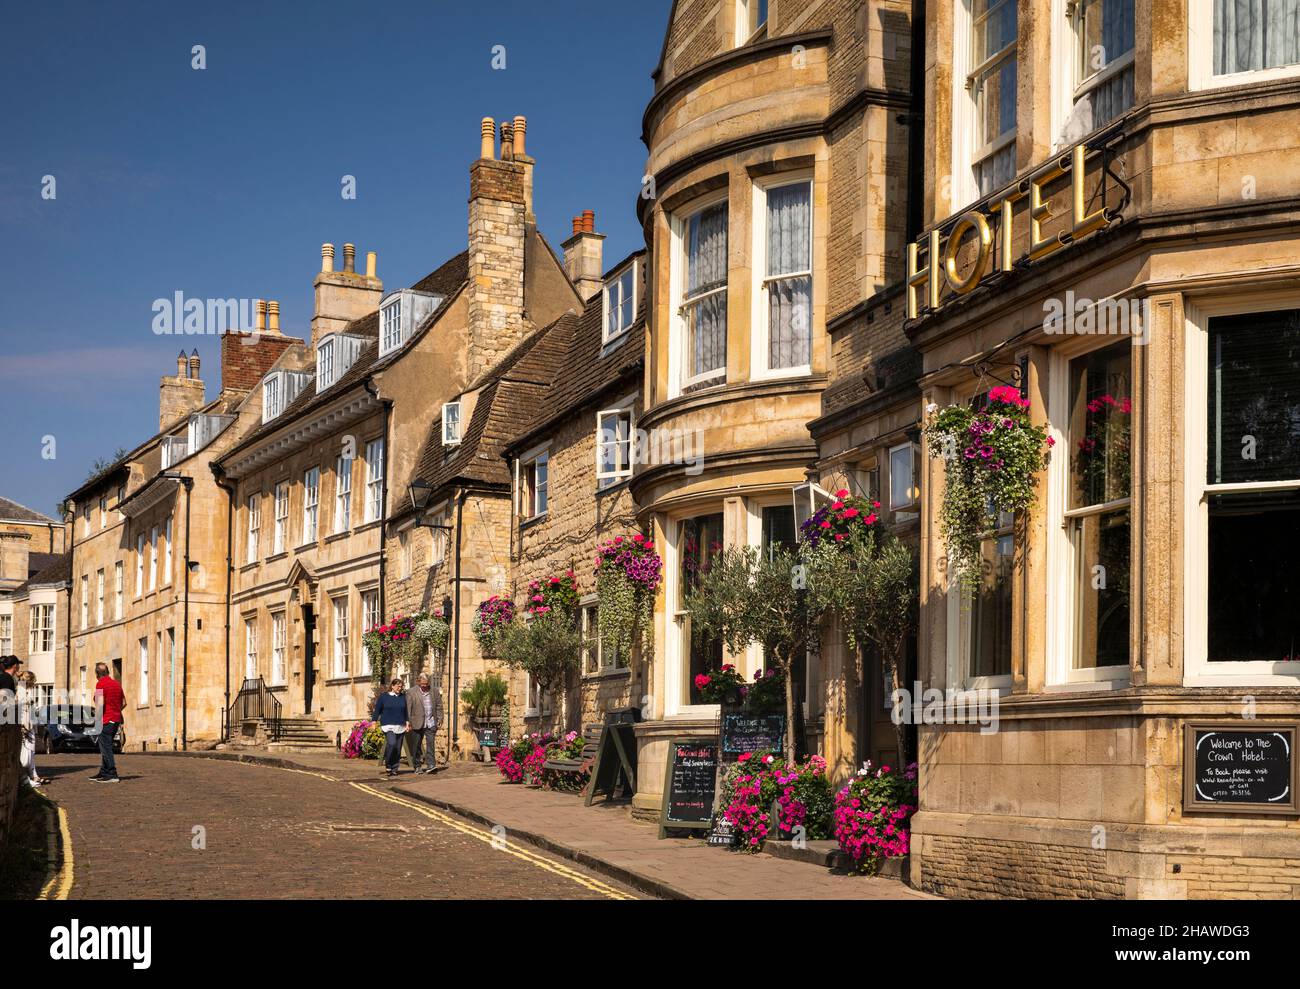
(341, 296)
(183, 394)
(15, 552)
(498, 231)
(584, 256)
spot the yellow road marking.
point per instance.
(501, 844)
(64, 876)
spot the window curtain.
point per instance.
(706, 271)
(1255, 34)
(789, 249)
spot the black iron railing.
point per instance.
(255, 700)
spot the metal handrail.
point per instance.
(255, 700)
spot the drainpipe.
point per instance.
(225, 485)
(185, 655)
(369, 385)
(67, 623)
(452, 746)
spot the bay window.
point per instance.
(6, 634)
(1103, 60)
(703, 308)
(41, 637)
(784, 314)
(1252, 35)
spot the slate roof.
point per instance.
(11, 511)
(589, 369)
(509, 393)
(57, 570)
(446, 281)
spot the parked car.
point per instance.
(64, 727)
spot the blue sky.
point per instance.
(224, 182)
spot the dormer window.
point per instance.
(620, 302)
(390, 319)
(451, 424)
(271, 397)
(279, 389)
(325, 364)
(401, 314)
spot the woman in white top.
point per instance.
(28, 697)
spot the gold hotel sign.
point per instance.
(923, 283)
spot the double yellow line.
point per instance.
(500, 844)
(59, 885)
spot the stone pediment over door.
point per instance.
(301, 583)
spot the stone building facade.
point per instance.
(774, 149)
(149, 548)
(1138, 287)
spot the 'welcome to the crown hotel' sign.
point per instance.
(924, 285)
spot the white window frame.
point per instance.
(250, 647)
(374, 480)
(167, 553)
(748, 26)
(171, 665)
(1062, 569)
(310, 505)
(674, 631)
(99, 596)
(153, 559)
(914, 471)
(119, 590)
(342, 494)
(527, 498)
(103, 512)
(254, 527)
(390, 322)
(452, 428)
(144, 670)
(370, 617)
(85, 601)
(678, 358)
(139, 564)
(623, 410)
(1198, 671)
(1200, 54)
(158, 670)
(271, 397)
(279, 640)
(964, 187)
(1068, 82)
(341, 637)
(281, 518)
(761, 310)
(438, 538)
(326, 362)
(615, 284)
(40, 637)
(6, 634)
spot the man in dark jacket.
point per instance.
(109, 701)
(9, 689)
(390, 712)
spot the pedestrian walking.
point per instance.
(424, 726)
(109, 701)
(390, 712)
(27, 698)
(8, 671)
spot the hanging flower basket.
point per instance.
(628, 571)
(552, 594)
(490, 617)
(991, 458)
(401, 644)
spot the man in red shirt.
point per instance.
(109, 700)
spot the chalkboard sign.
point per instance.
(489, 737)
(752, 733)
(723, 833)
(690, 783)
(1228, 769)
(615, 763)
